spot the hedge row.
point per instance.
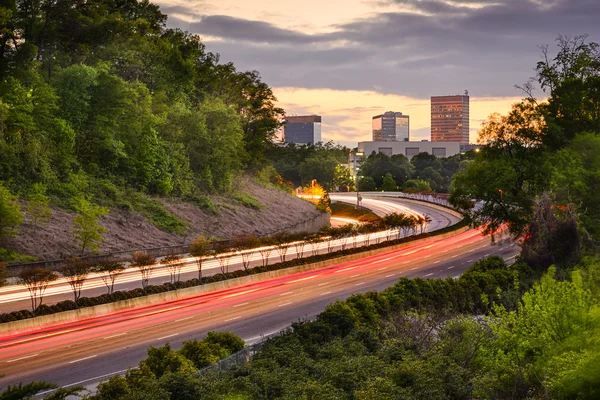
(68, 305)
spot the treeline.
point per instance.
(493, 333)
(423, 173)
(100, 95)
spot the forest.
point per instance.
(102, 105)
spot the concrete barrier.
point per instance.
(103, 309)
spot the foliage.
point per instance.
(343, 180)
(199, 249)
(172, 372)
(86, 229)
(76, 271)
(145, 263)
(300, 164)
(109, 271)
(10, 213)
(367, 184)
(38, 205)
(248, 201)
(389, 184)
(377, 165)
(36, 280)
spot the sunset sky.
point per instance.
(348, 60)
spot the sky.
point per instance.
(348, 60)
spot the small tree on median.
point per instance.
(76, 272)
(244, 243)
(109, 271)
(36, 280)
(223, 259)
(199, 249)
(145, 263)
(174, 265)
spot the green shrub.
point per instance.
(205, 203)
(247, 200)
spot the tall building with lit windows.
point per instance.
(391, 127)
(450, 118)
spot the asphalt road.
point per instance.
(16, 297)
(84, 352)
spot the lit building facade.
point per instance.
(391, 127)
(450, 118)
(302, 129)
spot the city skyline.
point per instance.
(385, 54)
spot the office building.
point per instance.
(450, 118)
(302, 129)
(391, 127)
(410, 149)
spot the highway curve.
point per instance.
(16, 297)
(86, 351)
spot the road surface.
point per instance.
(86, 351)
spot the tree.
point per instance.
(321, 168)
(367, 184)
(174, 265)
(109, 271)
(38, 205)
(36, 280)
(76, 271)
(10, 213)
(145, 263)
(378, 164)
(389, 184)
(552, 236)
(222, 256)
(243, 244)
(87, 231)
(199, 249)
(343, 179)
(164, 360)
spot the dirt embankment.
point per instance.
(128, 230)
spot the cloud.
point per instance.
(237, 29)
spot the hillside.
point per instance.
(130, 230)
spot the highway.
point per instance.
(16, 297)
(88, 350)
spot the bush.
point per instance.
(43, 310)
(7, 317)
